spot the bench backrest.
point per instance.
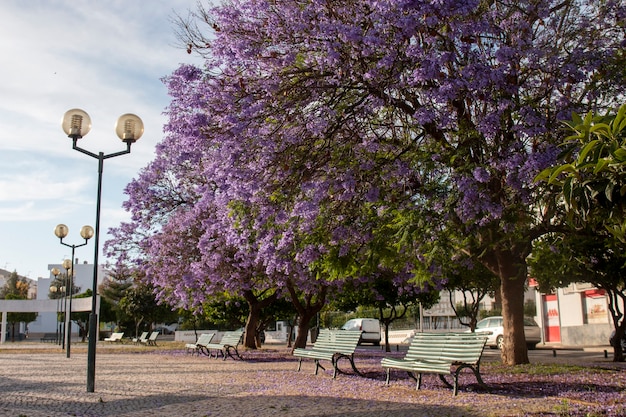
(337, 341)
(204, 339)
(450, 347)
(232, 338)
(323, 336)
(153, 336)
(117, 336)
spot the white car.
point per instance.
(494, 325)
(369, 327)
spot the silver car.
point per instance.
(494, 325)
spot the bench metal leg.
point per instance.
(419, 381)
(351, 359)
(445, 381)
(299, 365)
(318, 365)
(475, 370)
(230, 350)
(356, 371)
(387, 379)
(335, 362)
(478, 377)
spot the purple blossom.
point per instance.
(481, 174)
(309, 128)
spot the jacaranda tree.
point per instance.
(330, 122)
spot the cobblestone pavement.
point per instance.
(37, 381)
(46, 383)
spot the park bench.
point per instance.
(331, 345)
(151, 340)
(442, 354)
(226, 346)
(200, 345)
(143, 338)
(50, 337)
(115, 337)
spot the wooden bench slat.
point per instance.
(227, 345)
(331, 346)
(200, 345)
(442, 354)
(115, 337)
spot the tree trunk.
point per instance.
(386, 321)
(387, 347)
(303, 329)
(307, 309)
(512, 272)
(616, 303)
(249, 336)
(510, 265)
(255, 307)
(137, 324)
(618, 353)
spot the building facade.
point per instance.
(577, 315)
(83, 280)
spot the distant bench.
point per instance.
(442, 354)
(115, 337)
(50, 337)
(226, 346)
(331, 345)
(200, 345)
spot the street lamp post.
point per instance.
(69, 289)
(55, 289)
(129, 128)
(61, 231)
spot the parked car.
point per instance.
(369, 327)
(168, 329)
(494, 325)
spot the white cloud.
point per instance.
(38, 186)
(105, 57)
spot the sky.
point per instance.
(105, 57)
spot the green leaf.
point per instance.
(577, 119)
(586, 149)
(620, 154)
(602, 128)
(558, 171)
(608, 191)
(619, 123)
(601, 165)
(543, 175)
(567, 190)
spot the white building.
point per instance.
(577, 315)
(47, 321)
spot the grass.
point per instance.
(544, 369)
